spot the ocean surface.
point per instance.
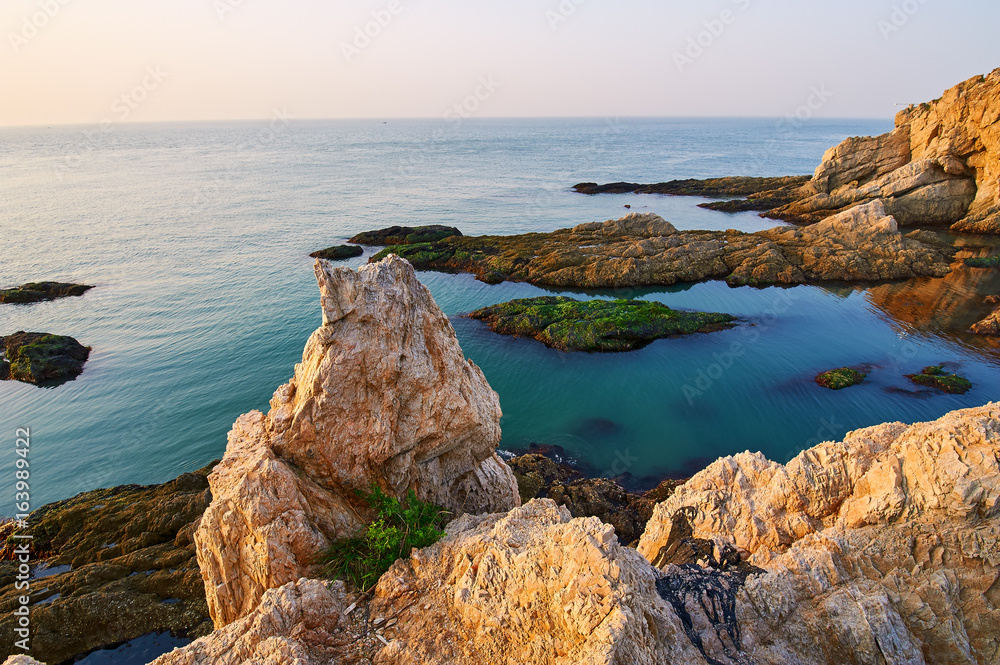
(197, 238)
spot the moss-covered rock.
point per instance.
(935, 376)
(838, 379)
(41, 357)
(405, 235)
(127, 568)
(39, 291)
(338, 252)
(596, 325)
(983, 262)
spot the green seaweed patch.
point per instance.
(398, 527)
(41, 291)
(983, 262)
(338, 252)
(405, 235)
(41, 357)
(596, 325)
(838, 379)
(421, 255)
(935, 376)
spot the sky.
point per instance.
(88, 61)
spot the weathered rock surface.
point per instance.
(990, 325)
(41, 291)
(128, 568)
(884, 548)
(861, 244)
(531, 586)
(940, 165)
(34, 357)
(302, 622)
(383, 396)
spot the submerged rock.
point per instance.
(383, 396)
(860, 244)
(40, 291)
(405, 235)
(935, 377)
(41, 357)
(838, 379)
(120, 564)
(338, 253)
(710, 187)
(596, 325)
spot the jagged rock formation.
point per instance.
(531, 586)
(383, 396)
(940, 165)
(860, 244)
(884, 548)
(302, 622)
(120, 564)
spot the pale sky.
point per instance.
(81, 61)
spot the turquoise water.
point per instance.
(197, 238)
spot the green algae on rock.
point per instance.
(121, 564)
(983, 262)
(838, 379)
(41, 357)
(338, 253)
(405, 235)
(936, 377)
(596, 325)
(41, 291)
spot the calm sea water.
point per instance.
(197, 238)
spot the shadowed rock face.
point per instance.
(383, 396)
(122, 565)
(861, 244)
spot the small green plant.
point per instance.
(398, 527)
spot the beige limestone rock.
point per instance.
(883, 548)
(532, 586)
(299, 623)
(21, 660)
(988, 326)
(383, 396)
(940, 165)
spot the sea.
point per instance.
(197, 239)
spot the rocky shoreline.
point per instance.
(940, 166)
(860, 244)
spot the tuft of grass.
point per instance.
(398, 527)
(983, 262)
(936, 377)
(838, 379)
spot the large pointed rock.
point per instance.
(383, 396)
